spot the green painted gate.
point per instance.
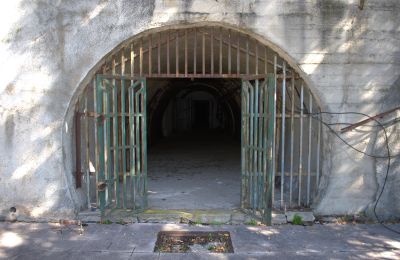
(258, 123)
(121, 151)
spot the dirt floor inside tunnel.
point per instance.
(194, 170)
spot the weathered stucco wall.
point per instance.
(350, 58)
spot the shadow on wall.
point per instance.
(389, 203)
(361, 84)
(34, 94)
(31, 164)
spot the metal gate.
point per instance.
(282, 141)
(121, 151)
(258, 124)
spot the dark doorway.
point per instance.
(201, 114)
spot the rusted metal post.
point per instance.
(186, 52)
(203, 61)
(283, 120)
(309, 149)
(291, 140)
(220, 50)
(353, 126)
(238, 55)
(141, 57)
(150, 46)
(212, 50)
(168, 58)
(78, 162)
(229, 53)
(159, 53)
(301, 142)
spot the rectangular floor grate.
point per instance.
(193, 241)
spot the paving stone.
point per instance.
(327, 219)
(279, 219)
(222, 218)
(307, 217)
(159, 218)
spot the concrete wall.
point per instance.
(349, 57)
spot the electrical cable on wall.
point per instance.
(388, 156)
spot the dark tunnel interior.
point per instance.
(194, 143)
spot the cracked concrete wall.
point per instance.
(349, 57)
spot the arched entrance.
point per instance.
(280, 141)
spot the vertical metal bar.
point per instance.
(138, 141)
(168, 39)
(301, 141)
(177, 53)
(265, 60)
(318, 151)
(265, 144)
(96, 148)
(260, 143)
(309, 150)
(100, 160)
(255, 144)
(132, 127)
(123, 61)
(87, 150)
(150, 43)
(229, 53)
(244, 131)
(220, 51)
(141, 57)
(132, 60)
(78, 164)
(238, 54)
(271, 147)
(251, 145)
(212, 50)
(111, 181)
(123, 115)
(159, 53)
(291, 140)
(283, 132)
(195, 52)
(203, 53)
(274, 130)
(131, 149)
(247, 56)
(116, 138)
(256, 57)
(186, 52)
(144, 140)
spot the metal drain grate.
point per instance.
(193, 241)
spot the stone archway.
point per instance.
(219, 51)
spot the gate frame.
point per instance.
(137, 113)
(118, 57)
(258, 203)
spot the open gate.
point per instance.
(121, 151)
(281, 140)
(258, 123)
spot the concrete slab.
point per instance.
(279, 219)
(306, 216)
(136, 241)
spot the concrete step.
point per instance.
(207, 217)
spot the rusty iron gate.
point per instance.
(258, 108)
(281, 138)
(121, 137)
